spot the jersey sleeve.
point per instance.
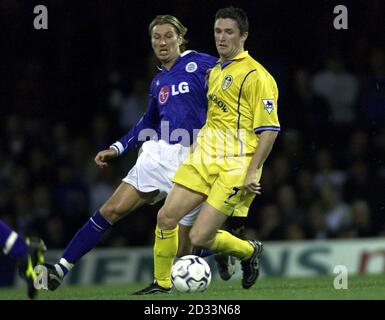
(150, 120)
(207, 61)
(211, 61)
(262, 95)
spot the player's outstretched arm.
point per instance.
(102, 157)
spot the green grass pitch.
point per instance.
(371, 287)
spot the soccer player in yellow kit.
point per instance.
(226, 165)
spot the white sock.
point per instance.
(63, 267)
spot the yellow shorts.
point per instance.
(221, 182)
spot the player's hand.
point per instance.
(251, 185)
(103, 156)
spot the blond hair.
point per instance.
(180, 29)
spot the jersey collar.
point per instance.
(183, 54)
(239, 56)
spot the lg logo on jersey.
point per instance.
(164, 92)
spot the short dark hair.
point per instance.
(180, 29)
(237, 14)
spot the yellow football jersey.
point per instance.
(242, 98)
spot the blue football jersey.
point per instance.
(177, 103)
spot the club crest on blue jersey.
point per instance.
(227, 81)
(191, 67)
(268, 105)
(163, 95)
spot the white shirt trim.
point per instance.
(185, 53)
(118, 146)
(10, 242)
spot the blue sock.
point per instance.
(202, 252)
(83, 241)
(11, 243)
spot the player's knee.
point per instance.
(165, 221)
(111, 213)
(197, 239)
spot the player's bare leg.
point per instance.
(124, 200)
(205, 233)
(205, 227)
(225, 264)
(179, 202)
(184, 244)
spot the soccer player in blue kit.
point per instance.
(177, 106)
(28, 252)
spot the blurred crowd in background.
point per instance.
(74, 90)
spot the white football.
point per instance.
(191, 274)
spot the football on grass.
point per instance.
(191, 274)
